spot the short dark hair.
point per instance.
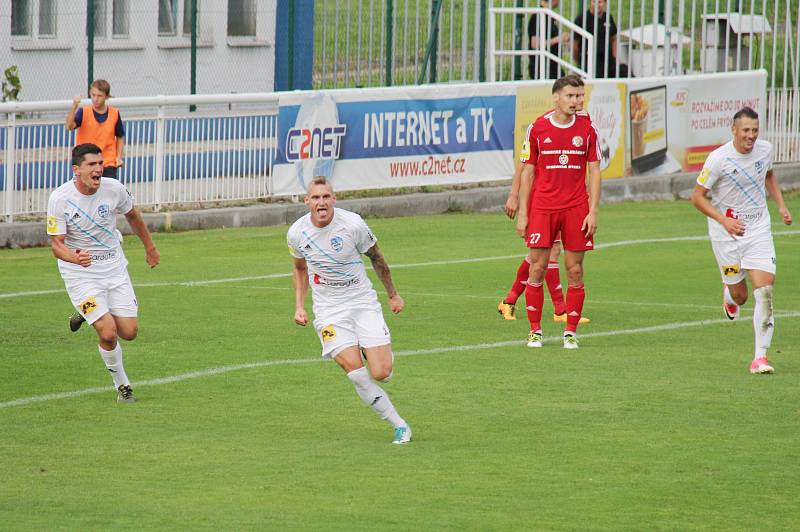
(319, 180)
(82, 150)
(103, 86)
(570, 80)
(747, 112)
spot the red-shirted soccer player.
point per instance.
(562, 144)
(552, 278)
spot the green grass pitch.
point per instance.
(654, 423)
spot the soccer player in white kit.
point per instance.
(327, 244)
(738, 175)
(81, 222)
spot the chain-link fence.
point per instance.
(142, 47)
(372, 43)
(364, 43)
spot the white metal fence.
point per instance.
(223, 151)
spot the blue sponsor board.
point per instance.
(398, 128)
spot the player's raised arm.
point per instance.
(300, 281)
(774, 189)
(381, 268)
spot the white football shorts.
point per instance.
(361, 327)
(735, 257)
(94, 296)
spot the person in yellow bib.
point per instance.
(99, 124)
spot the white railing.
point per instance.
(222, 151)
(546, 18)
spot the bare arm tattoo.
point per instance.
(381, 269)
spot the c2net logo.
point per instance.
(315, 143)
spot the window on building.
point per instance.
(117, 18)
(241, 18)
(170, 12)
(99, 20)
(47, 18)
(120, 18)
(167, 17)
(25, 12)
(20, 17)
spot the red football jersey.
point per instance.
(559, 154)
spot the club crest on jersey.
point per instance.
(563, 159)
(337, 243)
(102, 211)
(759, 165)
(577, 141)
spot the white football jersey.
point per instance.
(336, 271)
(90, 223)
(736, 182)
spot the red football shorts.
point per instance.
(544, 228)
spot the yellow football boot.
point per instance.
(507, 311)
(562, 318)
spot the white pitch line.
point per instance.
(8, 295)
(412, 352)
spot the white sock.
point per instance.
(727, 294)
(113, 360)
(763, 321)
(374, 396)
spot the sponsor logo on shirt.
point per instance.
(328, 333)
(76, 216)
(547, 141)
(337, 243)
(744, 216)
(100, 256)
(88, 306)
(328, 282)
(730, 271)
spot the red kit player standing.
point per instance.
(561, 145)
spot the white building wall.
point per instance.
(144, 63)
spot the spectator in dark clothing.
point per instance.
(553, 70)
(596, 14)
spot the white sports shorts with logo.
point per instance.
(96, 295)
(735, 257)
(344, 328)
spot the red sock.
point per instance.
(553, 280)
(575, 297)
(534, 299)
(519, 283)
